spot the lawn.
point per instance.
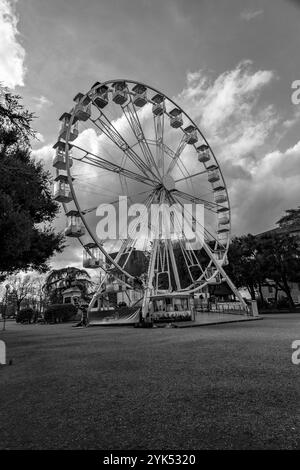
(215, 387)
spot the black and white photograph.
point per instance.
(149, 230)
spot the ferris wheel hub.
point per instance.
(168, 182)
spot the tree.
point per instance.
(25, 291)
(38, 294)
(59, 280)
(244, 266)
(268, 259)
(27, 209)
(15, 120)
(20, 289)
(25, 315)
(279, 255)
(291, 217)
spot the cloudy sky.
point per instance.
(230, 64)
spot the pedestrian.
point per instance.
(84, 318)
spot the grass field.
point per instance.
(215, 387)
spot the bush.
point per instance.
(283, 302)
(58, 313)
(25, 315)
(261, 305)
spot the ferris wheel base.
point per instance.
(120, 316)
(144, 324)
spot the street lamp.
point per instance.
(7, 287)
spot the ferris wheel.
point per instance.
(125, 138)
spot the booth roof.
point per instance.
(169, 296)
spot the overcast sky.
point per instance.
(229, 63)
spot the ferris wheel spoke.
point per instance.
(159, 122)
(177, 153)
(171, 153)
(212, 206)
(191, 176)
(147, 203)
(165, 259)
(129, 243)
(95, 160)
(123, 179)
(136, 127)
(188, 260)
(92, 209)
(209, 235)
(215, 263)
(174, 265)
(106, 126)
(170, 251)
(183, 169)
(189, 255)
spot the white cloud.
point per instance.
(281, 164)
(244, 132)
(273, 188)
(44, 154)
(249, 15)
(40, 137)
(289, 123)
(226, 108)
(12, 53)
(42, 102)
(71, 256)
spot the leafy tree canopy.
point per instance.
(26, 205)
(59, 280)
(280, 260)
(291, 217)
(273, 257)
(243, 267)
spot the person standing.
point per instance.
(84, 317)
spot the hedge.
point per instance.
(57, 313)
(25, 315)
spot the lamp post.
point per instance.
(7, 287)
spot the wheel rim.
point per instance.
(150, 174)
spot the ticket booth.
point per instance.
(168, 308)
